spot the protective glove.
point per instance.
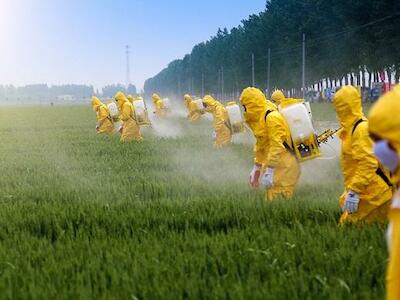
(386, 155)
(351, 202)
(214, 135)
(267, 179)
(255, 176)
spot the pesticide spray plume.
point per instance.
(323, 169)
(169, 126)
(216, 167)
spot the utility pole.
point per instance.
(222, 83)
(303, 83)
(269, 72)
(128, 73)
(202, 85)
(219, 82)
(252, 70)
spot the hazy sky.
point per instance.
(83, 41)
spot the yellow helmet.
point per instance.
(155, 97)
(383, 117)
(277, 97)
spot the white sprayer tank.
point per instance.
(308, 106)
(140, 111)
(113, 109)
(235, 117)
(166, 103)
(199, 104)
(299, 121)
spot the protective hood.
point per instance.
(210, 103)
(384, 121)
(188, 99)
(96, 103)
(156, 98)
(255, 105)
(277, 97)
(347, 102)
(120, 98)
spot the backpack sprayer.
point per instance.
(166, 104)
(199, 106)
(114, 114)
(141, 113)
(235, 122)
(305, 142)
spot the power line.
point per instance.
(311, 42)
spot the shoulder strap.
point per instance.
(356, 125)
(382, 175)
(266, 115)
(285, 144)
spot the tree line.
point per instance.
(45, 92)
(344, 41)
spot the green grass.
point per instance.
(85, 217)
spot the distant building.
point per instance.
(65, 98)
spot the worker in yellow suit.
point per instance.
(104, 121)
(222, 134)
(384, 127)
(193, 113)
(281, 101)
(160, 110)
(130, 129)
(368, 189)
(273, 149)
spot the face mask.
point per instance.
(386, 155)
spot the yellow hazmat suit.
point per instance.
(393, 271)
(384, 123)
(130, 129)
(362, 173)
(104, 121)
(223, 135)
(193, 113)
(273, 142)
(281, 101)
(160, 110)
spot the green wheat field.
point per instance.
(83, 216)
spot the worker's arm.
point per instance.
(126, 112)
(277, 135)
(367, 164)
(102, 115)
(260, 150)
(192, 109)
(219, 122)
